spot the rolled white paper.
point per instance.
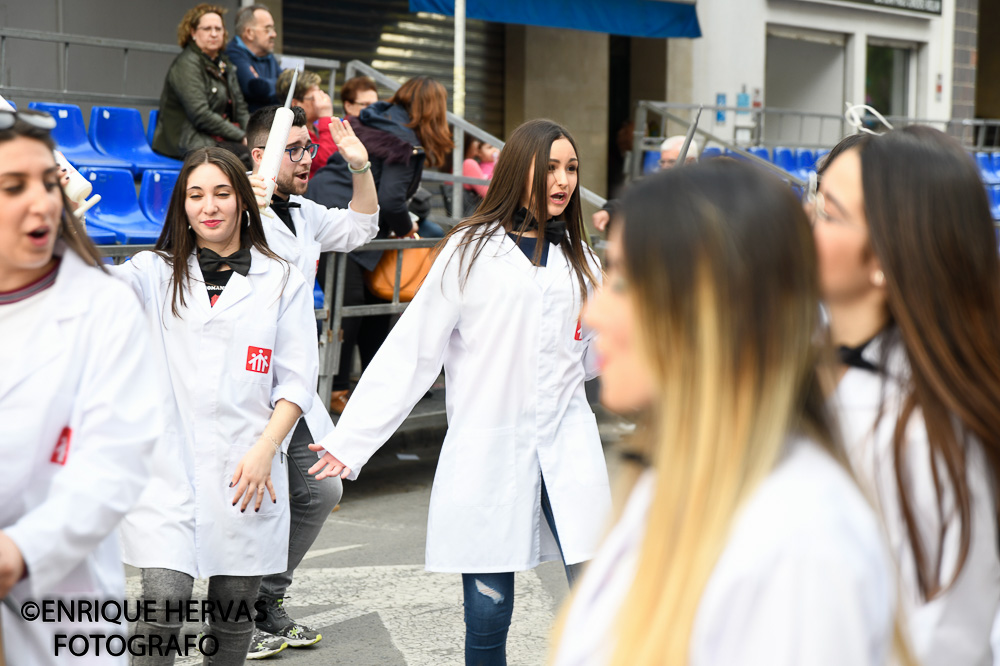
(274, 149)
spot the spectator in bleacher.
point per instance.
(401, 135)
(670, 150)
(201, 104)
(298, 231)
(319, 112)
(357, 94)
(252, 53)
(480, 158)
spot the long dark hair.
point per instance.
(930, 227)
(177, 240)
(528, 145)
(71, 230)
(426, 102)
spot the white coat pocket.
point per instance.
(252, 354)
(580, 440)
(484, 469)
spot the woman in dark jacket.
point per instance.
(201, 104)
(401, 135)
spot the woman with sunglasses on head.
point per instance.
(79, 403)
(521, 478)
(911, 280)
(236, 329)
(744, 539)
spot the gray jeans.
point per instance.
(232, 633)
(310, 501)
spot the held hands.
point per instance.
(349, 145)
(11, 564)
(253, 475)
(601, 219)
(330, 465)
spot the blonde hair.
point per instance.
(725, 294)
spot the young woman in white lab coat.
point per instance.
(79, 404)
(235, 326)
(911, 280)
(744, 540)
(521, 478)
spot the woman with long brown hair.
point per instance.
(521, 478)
(79, 403)
(235, 327)
(744, 539)
(402, 136)
(911, 280)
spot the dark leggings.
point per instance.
(368, 333)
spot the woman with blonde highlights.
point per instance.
(744, 539)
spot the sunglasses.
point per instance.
(34, 118)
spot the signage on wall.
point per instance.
(921, 6)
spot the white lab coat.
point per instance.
(318, 229)
(515, 360)
(186, 521)
(953, 628)
(805, 577)
(86, 368)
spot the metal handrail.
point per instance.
(126, 45)
(356, 68)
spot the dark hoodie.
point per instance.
(397, 167)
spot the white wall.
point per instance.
(806, 76)
(732, 52)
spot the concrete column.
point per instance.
(563, 75)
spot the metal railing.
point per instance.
(461, 125)
(65, 94)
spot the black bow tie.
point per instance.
(852, 357)
(555, 230)
(211, 262)
(278, 204)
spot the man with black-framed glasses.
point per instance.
(298, 230)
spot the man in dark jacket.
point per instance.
(252, 52)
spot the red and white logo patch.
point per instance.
(61, 452)
(258, 359)
(579, 330)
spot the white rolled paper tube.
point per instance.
(78, 188)
(274, 150)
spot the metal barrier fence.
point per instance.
(770, 126)
(791, 128)
(65, 95)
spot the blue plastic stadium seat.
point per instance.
(154, 116)
(318, 297)
(994, 198)
(118, 209)
(785, 158)
(100, 235)
(154, 193)
(995, 162)
(71, 138)
(805, 160)
(760, 151)
(118, 132)
(985, 163)
(710, 153)
(650, 161)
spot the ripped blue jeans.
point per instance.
(489, 604)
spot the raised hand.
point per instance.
(259, 185)
(329, 465)
(349, 145)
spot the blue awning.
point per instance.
(635, 18)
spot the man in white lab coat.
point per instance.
(298, 230)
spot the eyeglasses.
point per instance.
(295, 153)
(34, 118)
(363, 105)
(816, 200)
